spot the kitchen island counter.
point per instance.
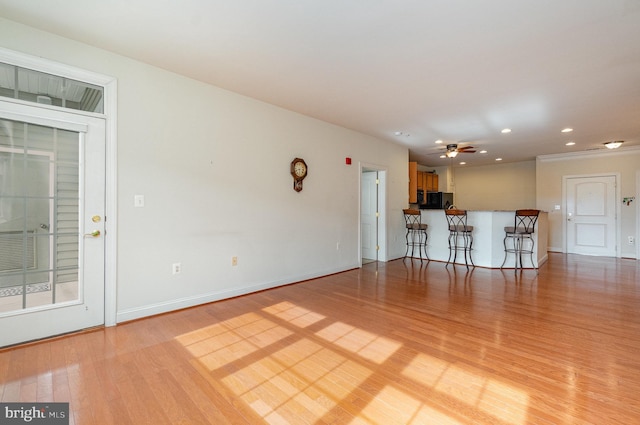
(488, 237)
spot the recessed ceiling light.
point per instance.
(463, 163)
(570, 143)
(567, 130)
(483, 151)
(506, 130)
(443, 156)
(614, 145)
(398, 133)
(498, 159)
(439, 141)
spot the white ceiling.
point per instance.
(455, 70)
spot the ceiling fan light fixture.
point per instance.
(452, 154)
(614, 145)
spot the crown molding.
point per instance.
(604, 152)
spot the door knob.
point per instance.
(94, 234)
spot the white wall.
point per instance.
(495, 187)
(214, 169)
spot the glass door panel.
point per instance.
(39, 216)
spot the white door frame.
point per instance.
(617, 207)
(110, 86)
(382, 210)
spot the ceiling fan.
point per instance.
(453, 150)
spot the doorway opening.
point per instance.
(372, 214)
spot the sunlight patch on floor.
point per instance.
(293, 314)
(504, 402)
(382, 410)
(288, 377)
(497, 399)
(366, 344)
(297, 381)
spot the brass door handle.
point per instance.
(94, 234)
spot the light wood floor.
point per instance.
(394, 343)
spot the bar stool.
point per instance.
(524, 225)
(416, 235)
(460, 235)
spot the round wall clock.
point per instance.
(299, 172)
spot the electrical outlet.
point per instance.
(234, 261)
(337, 246)
(630, 240)
(176, 268)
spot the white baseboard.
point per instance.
(543, 259)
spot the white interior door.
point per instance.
(369, 215)
(591, 215)
(52, 203)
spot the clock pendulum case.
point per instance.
(299, 172)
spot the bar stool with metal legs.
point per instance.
(460, 235)
(521, 233)
(416, 235)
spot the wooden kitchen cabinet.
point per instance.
(420, 180)
(430, 182)
(413, 182)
